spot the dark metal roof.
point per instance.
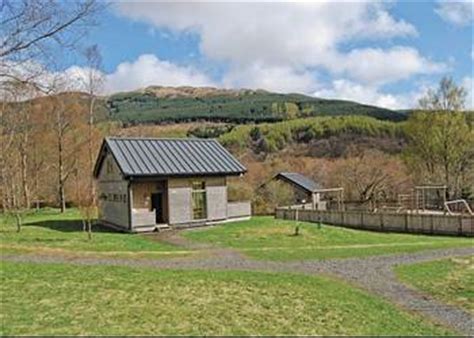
(144, 157)
(299, 180)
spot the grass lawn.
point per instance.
(449, 280)
(49, 231)
(272, 239)
(56, 299)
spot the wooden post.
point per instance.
(319, 220)
(381, 221)
(417, 207)
(444, 201)
(342, 198)
(297, 228)
(406, 221)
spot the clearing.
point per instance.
(206, 281)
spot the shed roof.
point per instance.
(145, 157)
(299, 180)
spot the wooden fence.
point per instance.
(392, 222)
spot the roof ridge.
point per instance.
(161, 138)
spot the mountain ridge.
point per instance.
(162, 104)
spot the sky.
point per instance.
(383, 53)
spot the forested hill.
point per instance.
(179, 104)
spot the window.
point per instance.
(199, 200)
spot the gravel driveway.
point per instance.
(374, 274)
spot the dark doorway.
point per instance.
(157, 205)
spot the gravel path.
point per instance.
(374, 274)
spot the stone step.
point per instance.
(163, 227)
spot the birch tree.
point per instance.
(93, 84)
(440, 147)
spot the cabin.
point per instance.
(148, 184)
(306, 191)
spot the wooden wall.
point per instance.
(396, 222)
(113, 195)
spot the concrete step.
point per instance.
(163, 227)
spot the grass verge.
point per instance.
(448, 280)
(56, 299)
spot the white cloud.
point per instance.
(377, 66)
(373, 95)
(278, 79)
(280, 36)
(148, 70)
(348, 90)
(42, 81)
(459, 13)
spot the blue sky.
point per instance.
(385, 53)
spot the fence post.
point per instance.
(406, 221)
(460, 224)
(319, 219)
(381, 221)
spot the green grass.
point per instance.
(49, 231)
(449, 280)
(271, 239)
(54, 299)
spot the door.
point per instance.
(157, 205)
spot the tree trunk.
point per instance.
(89, 228)
(24, 178)
(18, 221)
(62, 197)
(61, 194)
(91, 146)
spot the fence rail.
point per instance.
(391, 222)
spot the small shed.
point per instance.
(305, 189)
(146, 184)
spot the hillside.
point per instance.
(315, 137)
(179, 104)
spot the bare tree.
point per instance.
(93, 84)
(65, 113)
(34, 34)
(33, 31)
(14, 160)
(447, 97)
(369, 177)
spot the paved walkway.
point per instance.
(374, 274)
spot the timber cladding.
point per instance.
(395, 222)
(180, 199)
(113, 195)
(146, 184)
